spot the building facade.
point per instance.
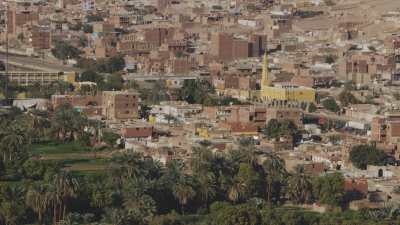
(118, 105)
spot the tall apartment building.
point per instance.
(88, 5)
(158, 36)
(41, 37)
(119, 105)
(386, 129)
(396, 68)
(364, 67)
(226, 47)
(19, 14)
(258, 44)
(221, 46)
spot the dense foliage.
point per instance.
(63, 50)
(202, 92)
(331, 105)
(346, 98)
(109, 65)
(363, 155)
(230, 188)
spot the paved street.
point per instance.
(36, 64)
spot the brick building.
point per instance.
(21, 13)
(364, 68)
(158, 36)
(386, 129)
(258, 44)
(282, 114)
(119, 105)
(41, 37)
(137, 133)
(226, 47)
(76, 100)
(359, 185)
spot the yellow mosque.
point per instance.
(286, 93)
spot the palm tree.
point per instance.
(40, 124)
(63, 187)
(135, 199)
(202, 159)
(68, 124)
(100, 194)
(299, 188)
(115, 217)
(174, 171)
(235, 192)
(13, 141)
(38, 198)
(11, 205)
(244, 154)
(274, 168)
(183, 192)
(206, 187)
(128, 165)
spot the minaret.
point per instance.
(265, 82)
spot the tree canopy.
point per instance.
(229, 188)
(347, 98)
(276, 129)
(363, 155)
(63, 50)
(331, 105)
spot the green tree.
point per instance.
(363, 155)
(111, 65)
(246, 184)
(299, 188)
(94, 18)
(12, 207)
(244, 214)
(312, 108)
(87, 28)
(347, 98)
(63, 187)
(118, 217)
(329, 189)
(196, 91)
(330, 59)
(38, 199)
(206, 187)
(110, 138)
(331, 105)
(138, 204)
(68, 124)
(14, 139)
(168, 219)
(276, 129)
(63, 50)
(114, 82)
(183, 192)
(276, 174)
(90, 75)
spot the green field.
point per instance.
(73, 156)
(59, 148)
